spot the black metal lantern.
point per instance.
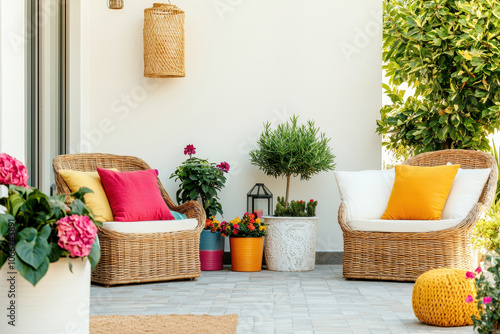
(260, 200)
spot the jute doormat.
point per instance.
(171, 324)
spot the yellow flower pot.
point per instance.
(246, 253)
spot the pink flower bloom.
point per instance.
(469, 299)
(190, 149)
(478, 270)
(487, 300)
(236, 226)
(76, 234)
(223, 166)
(12, 171)
(469, 275)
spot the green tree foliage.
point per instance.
(448, 51)
(292, 150)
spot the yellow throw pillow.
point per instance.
(420, 192)
(98, 201)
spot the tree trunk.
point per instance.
(287, 190)
(447, 144)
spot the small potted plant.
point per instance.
(201, 180)
(48, 246)
(246, 240)
(292, 150)
(212, 245)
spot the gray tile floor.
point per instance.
(320, 301)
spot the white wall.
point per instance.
(247, 62)
(13, 45)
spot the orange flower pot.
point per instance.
(246, 253)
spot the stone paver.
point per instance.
(319, 301)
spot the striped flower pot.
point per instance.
(211, 250)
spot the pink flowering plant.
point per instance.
(200, 179)
(36, 229)
(487, 296)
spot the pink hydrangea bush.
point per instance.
(76, 234)
(12, 171)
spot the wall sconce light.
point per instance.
(115, 4)
(164, 41)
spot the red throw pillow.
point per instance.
(134, 196)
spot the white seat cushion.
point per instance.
(156, 226)
(382, 225)
(365, 193)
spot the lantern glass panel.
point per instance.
(260, 200)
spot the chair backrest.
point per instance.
(467, 159)
(88, 162)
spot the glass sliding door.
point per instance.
(46, 116)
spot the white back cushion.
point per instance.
(465, 192)
(366, 193)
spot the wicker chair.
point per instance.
(138, 258)
(404, 256)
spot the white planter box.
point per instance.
(59, 303)
(290, 243)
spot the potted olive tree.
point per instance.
(292, 150)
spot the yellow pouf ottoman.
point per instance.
(439, 298)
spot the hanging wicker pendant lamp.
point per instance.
(164, 41)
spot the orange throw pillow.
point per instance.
(420, 192)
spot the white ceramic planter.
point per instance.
(290, 243)
(59, 303)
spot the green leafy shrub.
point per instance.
(292, 150)
(296, 208)
(486, 233)
(34, 217)
(200, 179)
(449, 52)
(487, 296)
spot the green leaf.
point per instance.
(15, 203)
(29, 273)
(3, 258)
(193, 194)
(70, 265)
(95, 253)
(28, 234)
(4, 224)
(33, 252)
(55, 252)
(45, 232)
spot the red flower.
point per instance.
(311, 200)
(470, 275)
(223, 166)
(301, 202)
(251, 227)
(236, 226)
(235, 232)
(252, 220)
(252, 216)
(190, 149)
